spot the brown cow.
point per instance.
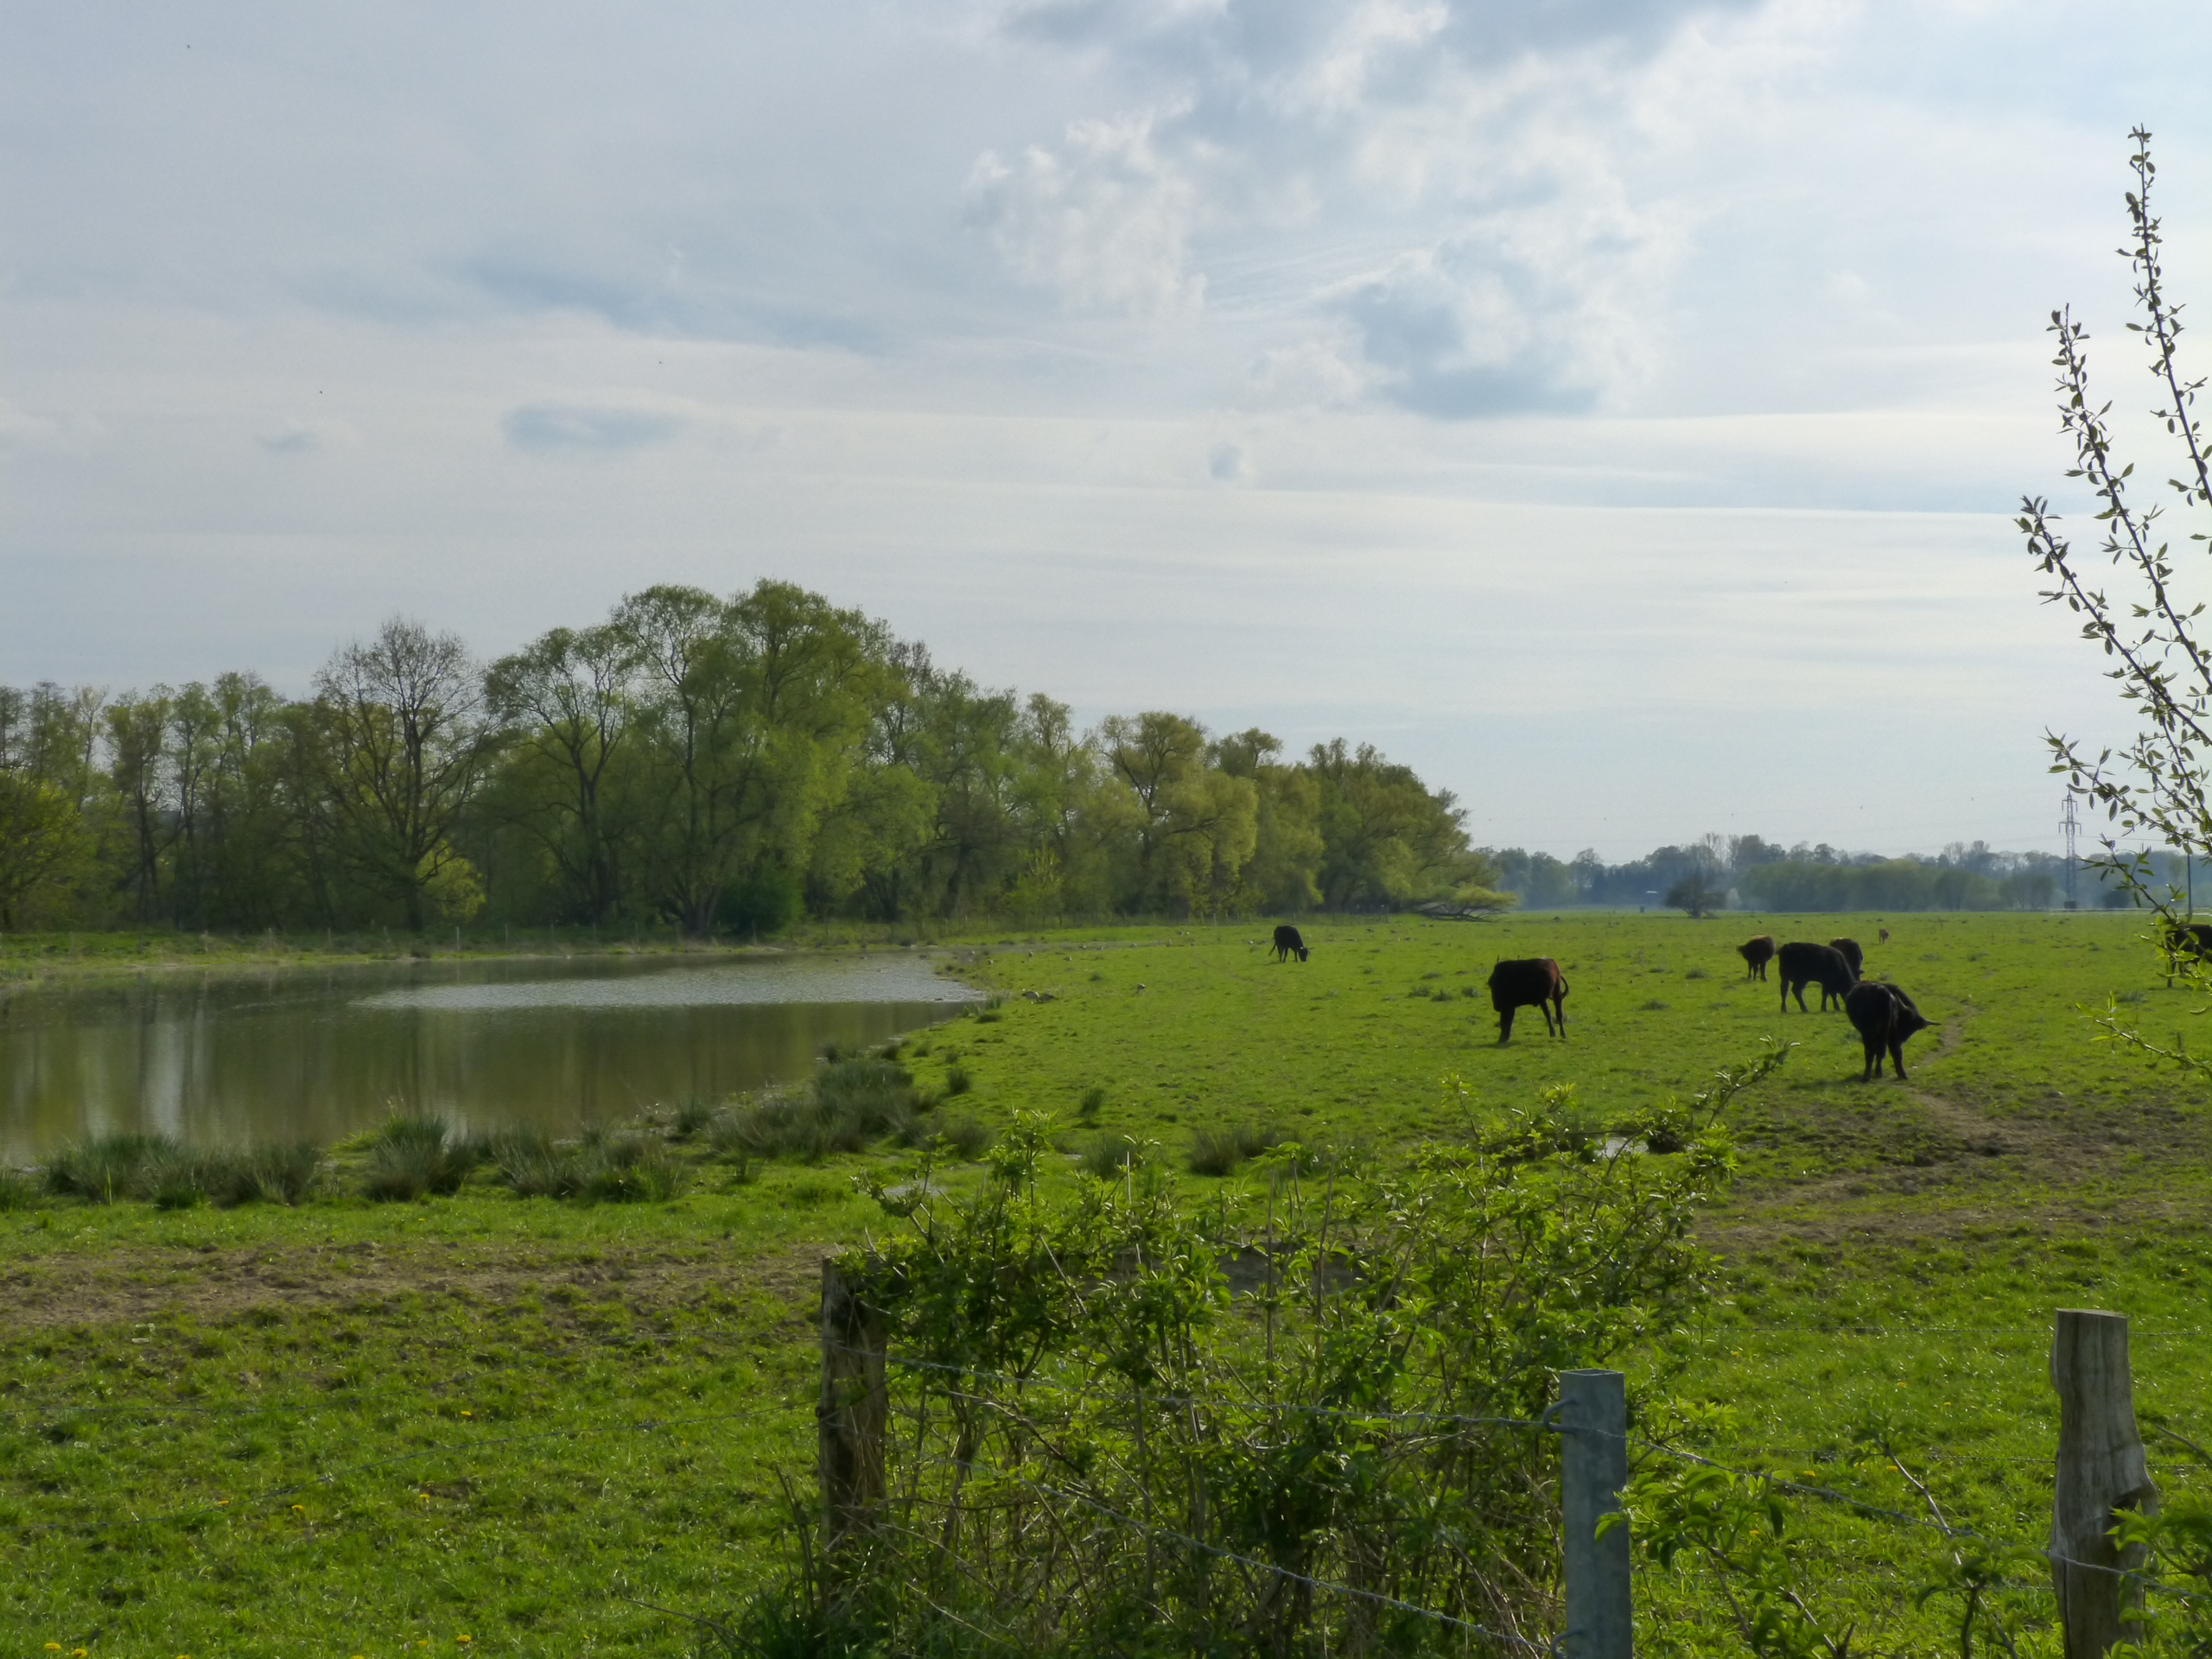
(1757, 953)
(1852, 954)
(1885, 1017)
(1814, 965)
(1533, 979)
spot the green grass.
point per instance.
(1892, 1256)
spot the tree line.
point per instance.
(1749, 872)
(725, 764)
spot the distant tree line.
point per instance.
(725, 764)
(1748, 872)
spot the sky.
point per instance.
(1615, 409)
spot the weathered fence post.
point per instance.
(2100, 1471)
(1593, 1467)
(855, 1412)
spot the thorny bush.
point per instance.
(1123, 1426)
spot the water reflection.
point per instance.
(322, 1052)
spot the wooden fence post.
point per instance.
(1593, 1467)
(855, 1412)
(2100, 1471)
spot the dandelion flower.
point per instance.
(468, 1414)
(78, 1653)
(299, 1509)
(54, 1647)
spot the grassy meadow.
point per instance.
(489, 1424)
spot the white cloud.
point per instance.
(1105, 219)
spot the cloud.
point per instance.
(1226, 464)
(1105, 219)
(304, 437)
(552, 428)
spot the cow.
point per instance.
(1852, 954)
(1885, 1017)
(1532, 979)
(1288, 945)
(1757, 953)
(2189, 938)
(1814, 965)
(1885, 936)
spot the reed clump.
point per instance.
(157, 1169)
(416, 1155)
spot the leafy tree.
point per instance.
(564, 703)
(405, 743)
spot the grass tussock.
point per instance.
(17, 1191)
(1108, 1157)
(153, 1168)
(849, 1105)
(1219, 1152)
(416, 1155)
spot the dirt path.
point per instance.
(1943, 1168)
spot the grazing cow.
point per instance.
(1533, 979)
(2189, 938)
(1814, 965)
(1288, 945)
(1757, 953)
(1885, 1017)
(1852, 954)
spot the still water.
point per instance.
(318, 1053)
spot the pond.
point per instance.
(320, 1053)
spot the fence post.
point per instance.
(1593, 1467)
(2100, 1470)
(855, 1412)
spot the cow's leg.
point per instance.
(1873, 1069)
(1897, 1056)
(1561, 1004)
(1505, 1024)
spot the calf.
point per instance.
(1814, 965)
(1757, 953)
(1288, 945)
(1533, 979)
(1885, 1017)
(1852, 954)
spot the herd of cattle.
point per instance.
(1881, 1013)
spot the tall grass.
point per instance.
(155, 1167)
(849, 1105)
(415, 1155)
(1219, 1152)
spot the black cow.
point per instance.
(1814, 965)
(1852, 954)
(1757, 953)
(1885, 1017)
(1288, 945)
(2189, 938)
(1533, 979)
